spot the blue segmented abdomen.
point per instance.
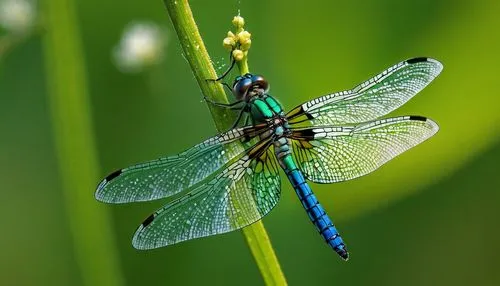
(314, 209)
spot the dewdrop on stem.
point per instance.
(141, 46)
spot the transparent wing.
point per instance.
(245, 192)
(168, 176)
(335, 154)
(371, 99)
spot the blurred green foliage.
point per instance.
(426, 218)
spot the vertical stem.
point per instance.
(262, 250)
(243, 66)
(75, 147)
(199, 60)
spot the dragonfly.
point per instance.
(232, 180)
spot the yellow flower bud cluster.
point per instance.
(238, 43)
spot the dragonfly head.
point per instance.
(249, 85)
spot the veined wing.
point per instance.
(168, 176)
(335, 154)
(242, 194)
(370, 100)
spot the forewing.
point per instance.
(335, 154)
(242, 194)
(168, 176)
(370, 100)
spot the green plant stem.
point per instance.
(197, 56)
(199, 60)
(262, 250)
(243, 65)
(75, 147)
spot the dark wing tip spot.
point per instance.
(417, 60)
(148, 220)
(417, 117)
(113, 175)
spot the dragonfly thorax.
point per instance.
(249, 85)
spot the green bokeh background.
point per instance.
(430, 217)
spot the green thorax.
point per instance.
(264, 107)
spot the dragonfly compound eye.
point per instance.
(261, 82)
(240, 87)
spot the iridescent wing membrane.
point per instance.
(335, 154)
(243, 186)
(344, 142)
(230, 185)
(168, 176)
(241, 194)
(370, 100)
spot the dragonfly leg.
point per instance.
(239, 118)
(225, 84)
(225, 105)
(247, 119)
(233, 61)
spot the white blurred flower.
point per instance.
(17, 15)
(141, 46)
